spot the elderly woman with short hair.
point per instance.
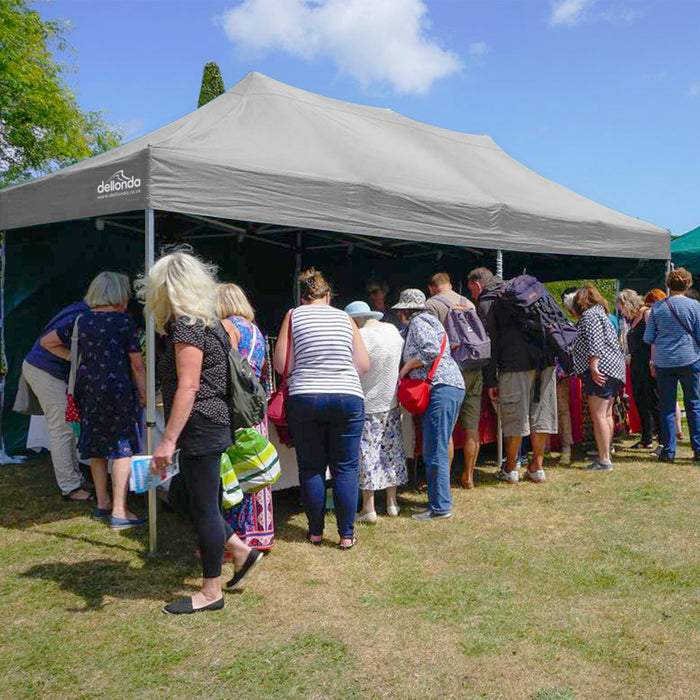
(110, 383)
(646, 396)
(674, 329)
(180, 293)
(423, 345)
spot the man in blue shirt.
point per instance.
(47, 375)
(673, 329)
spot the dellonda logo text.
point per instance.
(119, 184)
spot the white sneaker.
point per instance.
(370, 517)
(429, 515)
(508, 477)
(392, 511)
(537, 477)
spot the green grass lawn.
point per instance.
(586, 587)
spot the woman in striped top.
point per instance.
(325, 407)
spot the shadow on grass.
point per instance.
(99, 580)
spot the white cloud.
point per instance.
(478, 48)
(376, 42)
(132, 129)
(569, 12)
(694, 90)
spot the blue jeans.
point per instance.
(667, 378)
(326, 429)
(438, 423)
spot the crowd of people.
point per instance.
(343, 370)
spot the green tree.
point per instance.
(42, 127)
(212, 83)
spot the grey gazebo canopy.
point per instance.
(268, 152)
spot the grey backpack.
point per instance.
(469, 342)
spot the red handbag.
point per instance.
(276, 406)
(414, 394)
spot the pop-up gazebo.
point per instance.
(274, 164)
(686, 251)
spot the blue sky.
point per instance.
(602, 96)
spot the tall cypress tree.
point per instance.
(212, 83)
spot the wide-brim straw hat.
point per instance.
(360, 309)
(410, 299)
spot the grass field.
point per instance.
(586, 587)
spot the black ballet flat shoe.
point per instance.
(253, 558)
(353, 542)
(183, 606)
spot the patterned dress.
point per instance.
(253, 518)
(105, 394)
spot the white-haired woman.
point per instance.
(180, 293)
(644, 389)
(110, 383)
(253, 518)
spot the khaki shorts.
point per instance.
(520, 415)
(470, 413)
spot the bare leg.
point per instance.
(209, 593)
(679, 424)
(368, 501)
(539, 443)
(601, 415)
(512, 451)
(472, 444)
(390, 497)
(120, 486)
(239, 551)
(451, 452)
(98, 467)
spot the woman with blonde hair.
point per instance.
(252, 519)
(599, 361)
(674, 329)
(110, 383)
(180, 293)
(325, 408)
(646, 397)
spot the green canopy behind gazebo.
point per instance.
(685, 251)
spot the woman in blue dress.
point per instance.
(252, 519)
(110, 385)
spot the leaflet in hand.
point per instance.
(142, 479)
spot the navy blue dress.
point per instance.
(105, 393)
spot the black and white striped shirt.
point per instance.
(323, 344)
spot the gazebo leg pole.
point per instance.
(669, 267)
(499, 429)
(151, 384)
(297, 268)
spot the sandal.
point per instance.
(353, 542)
(315, 543)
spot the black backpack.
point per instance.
(541, 319)
(247, 398)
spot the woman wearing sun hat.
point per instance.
(424, 343)
(382, 457)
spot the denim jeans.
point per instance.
(667, 378)
(326, 429)
(438, 423)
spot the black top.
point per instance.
(640, 352)
(211, 400)
(511, 350)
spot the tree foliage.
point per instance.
(212, 83)
(42, 127)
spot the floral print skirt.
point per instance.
(382, 458)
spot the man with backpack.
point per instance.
(521, 375)
(471, 350)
